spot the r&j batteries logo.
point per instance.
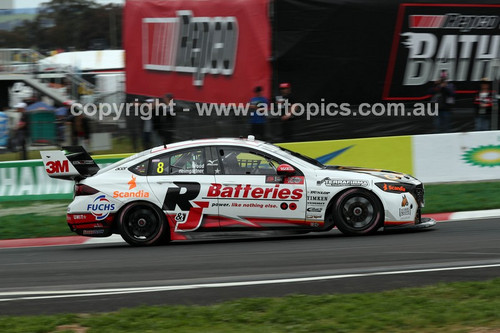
(101, 207)
(483, 156)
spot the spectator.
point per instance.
(23, 129)
(80, 130)
(147, 129)
(286, 105)
(443, 94)
(258, 118)
(484, 105)
(134, 125)
(62, 115)
(167, 118)
(4, 130)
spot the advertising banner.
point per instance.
(457, 157)
(388, 153)
(204, 51)
(461, 39)
(28, 180)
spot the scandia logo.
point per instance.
(132, 184)
(138, 194)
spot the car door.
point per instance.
(180, 180)
(252, 195)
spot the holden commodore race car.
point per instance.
(201, 188)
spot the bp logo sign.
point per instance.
(483, 156)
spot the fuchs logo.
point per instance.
(101, 207)
(248, 191)
(430, 40)
(187, 44)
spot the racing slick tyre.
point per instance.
(142, 224)
(358, 212)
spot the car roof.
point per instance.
(246, 142)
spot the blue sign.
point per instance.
(4, 129)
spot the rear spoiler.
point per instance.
(71, 163)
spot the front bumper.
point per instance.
(425, 222)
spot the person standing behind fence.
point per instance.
(4, 130)
(148, 124)
(286, 104)
(257, 116)
(484, 106)
(62, 115)
(80, 130)
(443, 94)
(23, 129)
(134, 125)
(167, 111)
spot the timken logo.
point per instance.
(248, 191)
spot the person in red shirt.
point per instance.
(484, 105)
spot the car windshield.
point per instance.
(297, 155)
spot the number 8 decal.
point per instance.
(159, 169)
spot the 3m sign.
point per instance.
(57, 167)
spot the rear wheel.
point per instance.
(358, 212)
(142, 224)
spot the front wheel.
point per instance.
(142, 224)
(358, 212)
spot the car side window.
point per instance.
(140, 169)
(241, 161)
(185, 162)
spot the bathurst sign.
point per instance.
(461, 39)
(206, 51)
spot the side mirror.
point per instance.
(285, 170)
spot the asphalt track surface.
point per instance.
(107, 277)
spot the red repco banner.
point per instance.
(206, 51)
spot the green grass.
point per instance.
(33, 226)
(52, 222)
(452, 307)
(461, 197)
(19, 219)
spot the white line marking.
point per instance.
(119, 291)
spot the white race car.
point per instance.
(193, 188)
